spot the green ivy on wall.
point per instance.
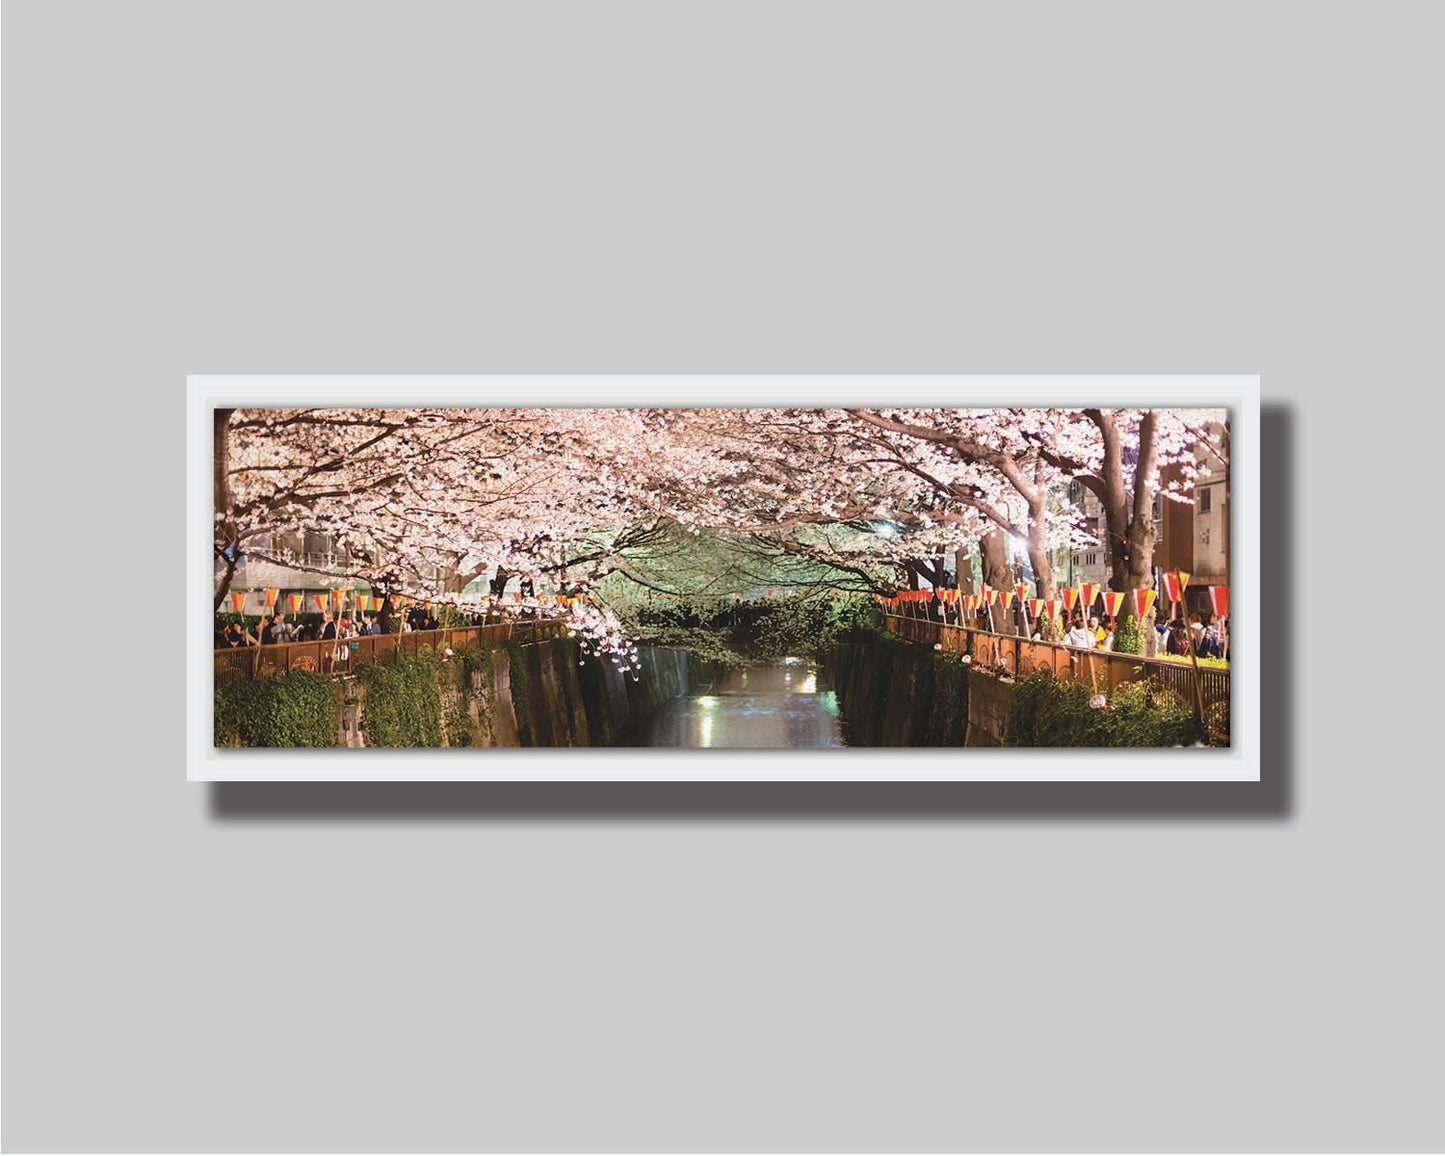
(402, 705)
(521, 694)
(296, 709)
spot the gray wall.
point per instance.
(638, 187)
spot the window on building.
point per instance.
(1204, 495)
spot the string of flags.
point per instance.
(361, 601)
(1083, 597)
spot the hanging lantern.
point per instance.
(1113, 599)
(238, 600)
(1219, 600)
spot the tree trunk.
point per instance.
(1039, 553)
(224, 530)
(963, 570)
(1135, 568)
(996, 573)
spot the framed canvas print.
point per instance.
(709, 577)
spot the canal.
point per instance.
(791, 704)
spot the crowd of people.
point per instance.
(278, 628)
(270, 630)
(1207, 639)
(1202, 633)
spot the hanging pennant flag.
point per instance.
(238, 600)
(1143, 599)
(1070, 597)
(271, 593)
(1219, 600)
(1088, 591)
(1112, 600)
(294, 601)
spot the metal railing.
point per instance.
(333, 656)
(1104, 670)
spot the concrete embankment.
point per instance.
(546, 694)
(904, 694)
(542, 694)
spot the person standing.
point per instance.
(1080, 635)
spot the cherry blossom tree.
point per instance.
(882, 496)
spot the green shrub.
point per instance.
(1048, 712)
(1128, 638)
(402, 706)
(296, 709)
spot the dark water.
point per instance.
(789, 705)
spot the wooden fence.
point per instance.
(1104, 670)
(341, 657)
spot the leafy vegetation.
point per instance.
(402, 705)
(1050, 712)
(296, 709)
(727, 633)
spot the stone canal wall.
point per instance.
(903, 694)
(545, 694)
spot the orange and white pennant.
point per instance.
(1143, 599)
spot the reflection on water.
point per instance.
(789, 705)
